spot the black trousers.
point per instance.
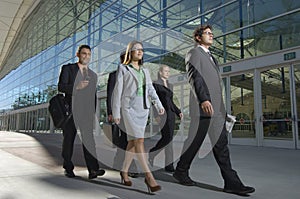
(220, 150)
(69, 134)
(120, 140)
(165, 142)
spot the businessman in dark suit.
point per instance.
(208, 114)
(78, 82)
(119, 137)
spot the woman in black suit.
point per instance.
(164, 91)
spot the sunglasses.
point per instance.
(137, 49)
(208, 33)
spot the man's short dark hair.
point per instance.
(82, 47)
(199, 30)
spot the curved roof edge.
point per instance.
(13, 13)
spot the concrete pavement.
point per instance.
(30, 167)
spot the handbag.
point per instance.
(60, 110)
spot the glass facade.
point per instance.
(51, 34)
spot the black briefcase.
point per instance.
(111, 131)
(60, 110)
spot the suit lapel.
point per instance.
(160, 82)
(213, 62)
(133, 73)
(75, 69)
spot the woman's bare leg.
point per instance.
(141, 156)
(130, 151)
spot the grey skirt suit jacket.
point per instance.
(134, 109)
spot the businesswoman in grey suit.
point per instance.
(131, 93)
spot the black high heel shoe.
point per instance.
(123, 181)
(152, 189)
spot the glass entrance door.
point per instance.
(242, 105)
(276, 105)
(297, 103)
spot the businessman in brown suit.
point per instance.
(208, 114)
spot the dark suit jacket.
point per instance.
(166, 96)
(204, 78)
(110, 88)
(67, 78)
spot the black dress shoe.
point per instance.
(69, 174)
(95, 174)
(169, 168)
(183, 179)
(241, 191)
(133, 175)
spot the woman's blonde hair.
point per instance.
(128, 56)
(160, 70)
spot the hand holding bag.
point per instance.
(111, 131)
(60, 110)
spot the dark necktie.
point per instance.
(211, 57)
